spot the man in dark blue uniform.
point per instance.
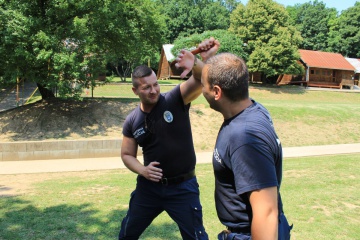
(161, 126)
(247, 158)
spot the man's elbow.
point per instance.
(126, 156)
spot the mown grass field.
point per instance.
(320, 196)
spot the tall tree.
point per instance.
(58, 43)
(222, 19)
(186, 17)
(147, 29)
(345, 32)
(313, 20)
(272, 43)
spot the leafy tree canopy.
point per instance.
(272, 42)
(186, 17)
(313, 20)
(345, 33)
(56, 42)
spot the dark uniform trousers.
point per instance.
(181, 201)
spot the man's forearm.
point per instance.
(264, 224)
(265, 227)
(197, 69)
(133, 164)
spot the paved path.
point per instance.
(88, 164)
(356, 89)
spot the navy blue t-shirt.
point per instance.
(164, 134)
(247, 157)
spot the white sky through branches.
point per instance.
(340, 5)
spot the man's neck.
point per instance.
(231, 109)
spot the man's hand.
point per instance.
(186, 59)
(209, 48)
(152, 172)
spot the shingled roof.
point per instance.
(327, 60)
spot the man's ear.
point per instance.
(134, 90)
(217, 92)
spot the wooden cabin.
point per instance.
(322, 69)
(165, 69)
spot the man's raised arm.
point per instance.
(191, 88)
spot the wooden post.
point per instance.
(17, 91)
(92, 88)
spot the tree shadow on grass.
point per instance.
(20, 219)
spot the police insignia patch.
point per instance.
(168, 116)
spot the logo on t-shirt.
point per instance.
(217, 156)
(168, 116)
(139, 132)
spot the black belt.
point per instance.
(239, 230)
(178, 179)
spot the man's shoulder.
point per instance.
(133, 113)
(174, 97)
(174, 90)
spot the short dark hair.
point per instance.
(230, 73)
(140, 72)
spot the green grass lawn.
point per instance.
(128, 80)
(303, 117)
(123, 90)
(321, 198)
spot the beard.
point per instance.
(212, 103)
(215, 106)
(151, 99)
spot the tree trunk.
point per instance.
(126, 70)
(118, 73)
(45, 93)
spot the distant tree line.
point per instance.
(62, 44)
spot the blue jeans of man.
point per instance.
(180, 201)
